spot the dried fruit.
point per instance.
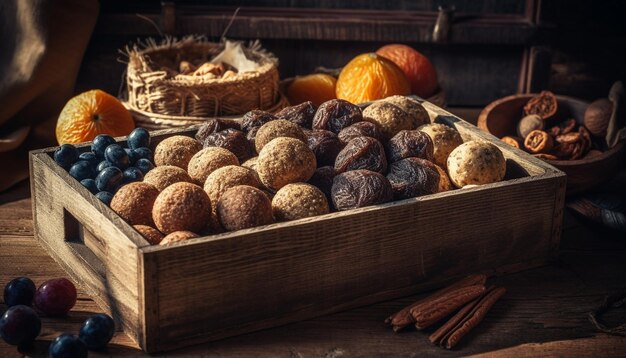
(368, 77)
(336, 114)
(410, 143)
(325, 145)
(242, 207)
(476, 162)
(317, 88)
(412, 177)
(418, 69)
(256, 118)
(528, 124)
(133, 203)
(301, 114)
(323, 179)
(544, 105)
(512, 141)
(207, 161)
(444, 138)
(573, 145)
(359, 188)
(181, 207)
(362, 153)
(285, 160)
(275, 129)
(597, 116)
(360, 129)
(176, 150)
(538, 141)
(298, 201)
(390, 118)
(214, 125)
(232, 140)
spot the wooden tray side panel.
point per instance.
(272, 276)
(69, 223)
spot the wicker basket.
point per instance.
(154, 89)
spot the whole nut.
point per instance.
(597, 116)
(528, 124)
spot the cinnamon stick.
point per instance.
(427, 315)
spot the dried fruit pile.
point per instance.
(544, 134)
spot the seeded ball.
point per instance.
(181, 206)
(416, 111)
(178, 236)
(275, 129)
(227, 177)
(207, 161)
(134, 201)
(445, 139)
(152, 235)
(390, 118)
(166, 175)
(297, 201)
(242, 207)
(250, 163)
(476, 162)
(285, 160)
(176, 151)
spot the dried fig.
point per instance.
(410, 143)
(336, 114)
(301, 114)
(359, 188)
(325, 144)
(412, 177)
(360, 129)
(362, 153)
(233, 140)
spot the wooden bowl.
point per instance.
(500, 118)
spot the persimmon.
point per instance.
(417, 68)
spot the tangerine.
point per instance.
(417, 68)
(317, 88)
(91, 113)
(368, 77)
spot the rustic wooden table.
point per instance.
(543, 313)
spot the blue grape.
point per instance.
(19, 291)
(90, 157)
(143, 152)
(144, 165)
(103, 164)
(138, 138)
(90, 184)
(105, 197)
(19, 325)
(97, 331)
(109, 179)
(66, 155)
(67, 346)
(132, 174)
(117, 156)
(100, 144)
(82, 169)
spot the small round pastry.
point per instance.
(178, 236)
(418, 113)
(250, 163)
(444, 138)
(275, 129)
(176, 151)
(476, 162)
(244, 206)
(166, 175)
(181, 207)
(134, 201)
(227, 177)
(208, 160)
(299, 200)
(152, 235)
(390, 118)
(444, 180)
(285, 160)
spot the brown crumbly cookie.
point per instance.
(181, 207)
(390, 118)
(242, 207)
(152, 235)
(250, 163)
(134, 201)
(166, 175)
(178, 236)
(275, 129)
(227, 177)
(444, 180)
(445, 139)
(416, 111)
(285, 160)
(207, 161)
(176, 151)
(476, 162)
(297, 201)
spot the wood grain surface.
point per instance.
(544, 312)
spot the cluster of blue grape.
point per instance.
(108, 165)
(20, 324)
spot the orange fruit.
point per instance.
(368, 77)
(317, 88)
(417, 68)
(91, 113)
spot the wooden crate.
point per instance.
(228, 284)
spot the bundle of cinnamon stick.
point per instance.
(469, 298)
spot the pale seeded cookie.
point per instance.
(297, 201)
(476, 162)
(444, 138)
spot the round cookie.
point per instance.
(134, 201)
(444, 180)
(445, 139)
(152, 235)
(166, 175)
(476, 162)
(178, 236)
(390, 118)
(275, 129)
(416, 111)
(297, 201)
(227, 177)
(176, 151)
(242, 207)
(208, 160)
(181, 207)
(285, 160)
(250, 163)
